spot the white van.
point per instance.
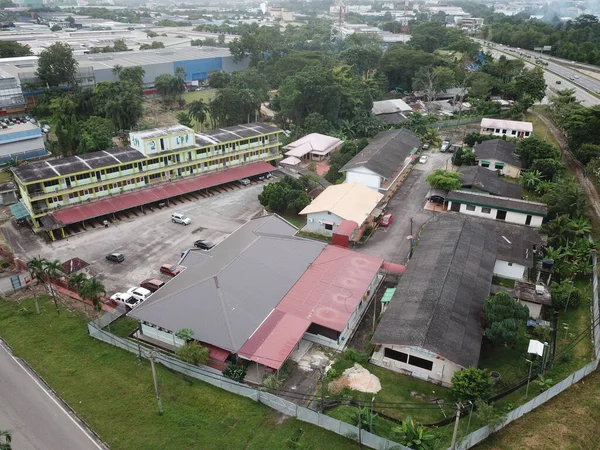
(180, 218)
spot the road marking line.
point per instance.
(49, 394)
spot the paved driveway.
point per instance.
(391, 243)
(146, 241)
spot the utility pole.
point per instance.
(453, 445)
(470, 413)
(160, 408)
(371, 415)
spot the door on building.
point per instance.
(501, 215)
(528, 220)
(455, 207)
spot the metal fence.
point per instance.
(215, 378)
(482, 433)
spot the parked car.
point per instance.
(180, 218)
(126, 299)
(140, 293)
(423, 159)
(453, 148)
(444, 146)
(386, 220)
(169, 269)
(558, 82)
(426, 146)
(244, 181)
(116, 257)
(152, 284)
(204, 245)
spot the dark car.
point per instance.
(204, 245)
(116, 257)
(152, 284)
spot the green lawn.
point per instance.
(205, 95)
(297, 221)
(504, 282)
(5, 176)
(112, 390)
(123, 326)
(540, 129)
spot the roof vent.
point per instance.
(539, 289)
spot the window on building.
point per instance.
(486, 210)
(329, 226)
(510, 264)
(50, 183)
(154, 176)
(485, 164)
(73, 195)
(497, 130)
(85, 192)
(393, 354)
(420, 362)
(513, 132)
(499, 166)
(470, 207)
(503, 131)
(527, 133)
(83, 176)
(112, 170)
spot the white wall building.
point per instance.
(511, 210)
(508, 128)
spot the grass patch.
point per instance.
(508, 362)
(123, 326)
(504, 282)
(5, 176)
(205, 95)
(297, 221)
(112, 390)
(541, 130)
(315, 236)
(381, 426)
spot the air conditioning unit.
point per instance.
(539, 289)
(310, 220)
(320, 222)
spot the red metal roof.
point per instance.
(346, 228)
(275, 339)
(153, 194)
(332, 287)
(216, 353)
(393, 267)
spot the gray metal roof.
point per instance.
(477, 177)
(226, 297)
(25, 146)
(498, 149)
(52, 168)
(386, 153)
(246, 131)
(438, 304)
(505, 203)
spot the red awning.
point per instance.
(393, 267)
(275, 339)
(157, 193)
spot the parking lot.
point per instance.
(147, 240)
(391, 243)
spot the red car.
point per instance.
(386, 220)
(169, 269)
(152, 284)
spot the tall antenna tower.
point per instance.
(404, 29)
(336, 30)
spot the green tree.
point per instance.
(560, 231)
(5, 440)
(93, 290)
(316, 123)
(587, 152)
(51, 273)
(199, 112)
(530, 180)
(472, 384)
(55, 28)
(432, 137)
(564, 294)
(285, 195)
(185, 334)
(566, 197)
(414, 435)
(464, 157)
(219, 79)
(400, 64)
(12, 49)
(193, 353)
(363, 59)
(169, 87)
(184, 119)
(444, 179)
(154, 45)
(548, 168)
(56, 65)
(532, 149)
(503, 318)
(76, 282)
(95, 134)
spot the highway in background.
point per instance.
(554, 73)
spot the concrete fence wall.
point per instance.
(215, 378)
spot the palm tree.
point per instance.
(560, 231)
(117, 70)
(199, 112)
(36, 270)
(76, 281)
(530, 180)
(543, 187)
(51, 272)
(5, 439)
(432, 136)
(93, 290)
(581, 227)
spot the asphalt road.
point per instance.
(554, 72)
(408, 204)
(35, 418)
(551, 78)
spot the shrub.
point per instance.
(414, 435)
(503, 318)
(236, 372)
(564, 292)
(312, 166)
(272, 383)
(486, 413)
(192, 353)
(472, 384)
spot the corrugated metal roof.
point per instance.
(350, 201)
(489, 181)
(387, 295)
(507, 124)
(154, 194)
(346, 228)
(332, 287)
(19, 211)
(494, 201)
(497, 149)
(227, 297)
(320, 144)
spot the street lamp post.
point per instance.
(569, 297)
(371, 415)
(529, 377)
(470, 413)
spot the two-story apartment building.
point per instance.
(159, 164)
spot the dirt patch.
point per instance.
(356, 378)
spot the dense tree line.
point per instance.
(577, 39)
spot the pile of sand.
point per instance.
(356, 378)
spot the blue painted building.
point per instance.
(22, 141)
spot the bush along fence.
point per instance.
(215, 378)
(482, 433)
